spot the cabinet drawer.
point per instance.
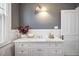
(30, 52)
(38, 49)
(50, 45)
(22, 52)
(37, 52)
(53, 52)
(54, 45)
(20, 45)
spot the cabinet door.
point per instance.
(68, 22)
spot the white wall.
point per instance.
(9, 33)
(7, 50)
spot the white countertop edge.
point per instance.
(38, 40)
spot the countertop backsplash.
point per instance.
(44, 33)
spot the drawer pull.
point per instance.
(22, 44)
(22, 51)
(56, 44)
(56, 51)
(39, 50)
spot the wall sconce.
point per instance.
(40, 8)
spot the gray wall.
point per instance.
(77, 4)
(28, 17)
(23, 14)
(15, 15)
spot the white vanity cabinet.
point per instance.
(38, 49)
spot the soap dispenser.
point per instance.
(51, 35)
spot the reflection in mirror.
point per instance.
(48, 16)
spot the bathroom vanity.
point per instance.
(38, 47)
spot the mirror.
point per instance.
(47, 15)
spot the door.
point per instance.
(68, 22)
(77, 20)
(69, 28)
(70, 45)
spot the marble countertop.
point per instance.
(56, 39)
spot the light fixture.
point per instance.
(43, 9)
(40, 8)
(37, 9)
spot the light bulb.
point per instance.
(37, 8)
(43, 9)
